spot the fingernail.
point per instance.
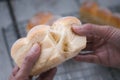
(35, 48)
(78, 29)
(76, 26)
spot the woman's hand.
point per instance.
(23, 73)
(104, 41)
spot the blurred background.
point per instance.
(17, 17)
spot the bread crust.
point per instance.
(41, 18)
(58, 44)
(91, 12)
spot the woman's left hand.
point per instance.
(23, 73)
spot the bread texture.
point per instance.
(91, 12)
(58, 44)
(40, 19)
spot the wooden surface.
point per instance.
(24, 10)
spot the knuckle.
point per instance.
(109, 31)
(113, 36)
(88, 26)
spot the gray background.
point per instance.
(22, 11)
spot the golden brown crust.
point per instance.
(40, 19)
(58, 44)
(97, 15)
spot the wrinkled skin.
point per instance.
(23, 73)
(104, 41)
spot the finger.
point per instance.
(11, 77)
(90, 41)
(87, 58)
(15, 70)
(29, 60)
(98, 43)
(89, 47)
(91, 29)
(79, 30)
(90, 38)
(49, 75)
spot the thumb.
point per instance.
(104, 32)
(29, 61)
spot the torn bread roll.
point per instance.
(58, 44)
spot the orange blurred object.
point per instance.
(41, 18)
(91, 12)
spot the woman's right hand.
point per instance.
(104, 41)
